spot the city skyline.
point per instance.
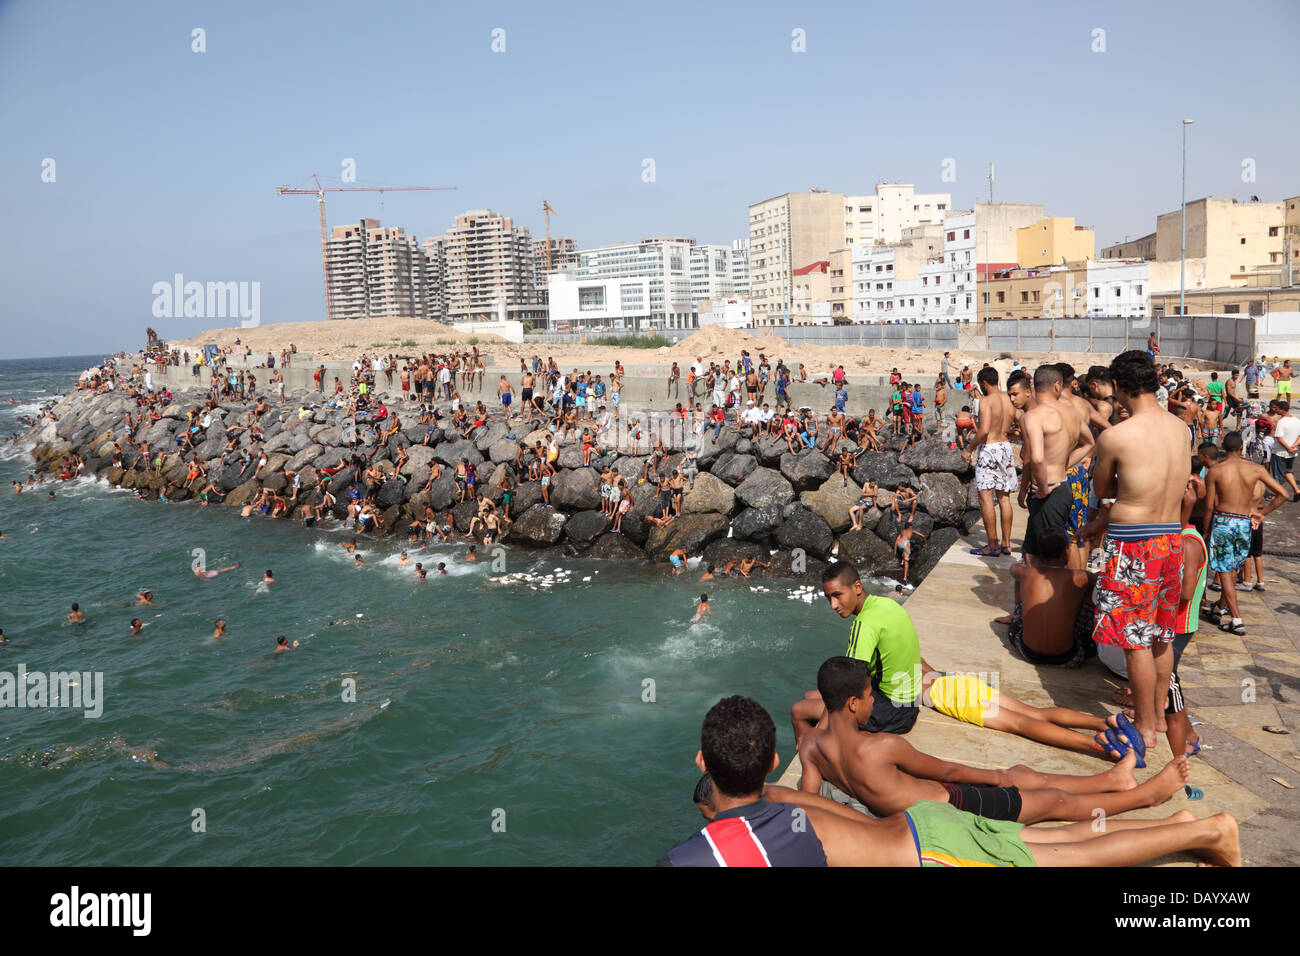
(165, 159)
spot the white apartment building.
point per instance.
(1119, 287)
(727, 313)
(712, 272)
(740, 267)
(630, 285)
(881, 217)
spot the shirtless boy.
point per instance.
(866, 502)
(1229, 497)
(1142, 463)
(1055, 441)
(738, 750)
(888, 775)
(1053, 620)
(995, 467)
(903, 545)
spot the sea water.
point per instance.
(507, 715)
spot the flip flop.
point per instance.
(1196, 748)
(1194, 793)
(985, 552)
(1275, 730)
(1109, 741)
(1134, 738)
(1005, 551)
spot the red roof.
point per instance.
(822, 265)
(986, 267)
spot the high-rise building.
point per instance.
(564, 254)
(786, 233)
(374, 272)
(490, 269)
(435, 279)
(881, 217)
(740, 268)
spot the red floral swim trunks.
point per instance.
(1137, 592)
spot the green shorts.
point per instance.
(946, 836)
(507, 497)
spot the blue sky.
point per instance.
(166, 160)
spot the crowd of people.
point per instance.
(1117, 475)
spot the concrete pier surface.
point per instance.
(1235, 686)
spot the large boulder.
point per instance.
(390, 493)
(719, 552)
(733, 469)
(710, 450)
(304, 457)
(933, 455)
(537, 527)
(503, 449)
(769, 450)
(615, 547)
(972, 520)
(576, 489)
(934, 549)
(243, 494)
(870, 555)
(832, 501)
(943, 497)
(526, 495)
(785, 564)
(802, 528)
(889, 525)
(807, 470)
(451, 453)
(488, 435)
(443, 492)
(883, 468)
(755, 524)
(709, 495)
(585, 527)
(764, 487)
(689, 532)
(630, 468)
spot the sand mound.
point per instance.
(716, 340)
(343, 339)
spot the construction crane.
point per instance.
(319, 192)
(546, 208)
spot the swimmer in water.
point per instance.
(707, 575)
(219, 628)
(268, 577)
(78, 616)
(702, 609)
(358, 563)
(349, 546)
(144, 598)
(282, 644)
(419, 570)
(205, 575)
(136, 626)
(442, 568)
(473, 553)
(403, 559)
(3, 639)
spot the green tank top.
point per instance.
(1188, 618)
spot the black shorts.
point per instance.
(992, 803)
(888, 717)
(1257, 542)
(1175, 703)
(1050, 512)
(525, 395)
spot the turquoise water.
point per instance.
(472, 696)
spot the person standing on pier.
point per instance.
(995, 469)
(1143, 464)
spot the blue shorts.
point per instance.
(675, 561)
(1229, 542)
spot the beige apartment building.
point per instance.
(883, 216)
(435, 279)
(1144, 247)
(1052, 241)
(1292, 234)
(840, 274)
(1231, 237)
(788, 232)
(1022, 293)
(490, 269)
(374, 272)
(1230, 301)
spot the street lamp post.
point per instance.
(1182, 253)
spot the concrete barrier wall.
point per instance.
(1224, 339)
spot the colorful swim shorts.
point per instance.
(1080, 485)
(995, 468)
(1137, 592)
(1229, 542)
(963, 697)
(946, 836)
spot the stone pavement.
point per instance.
(1234, 685)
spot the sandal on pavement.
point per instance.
(1230, 628)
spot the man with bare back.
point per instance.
(1055, 441)
(995, 465)
(1143, 464)
(1230, 499)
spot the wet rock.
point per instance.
(615, 547)
(719, 552)
(537, 527)
(689, 532)
(933, 455)
(755, 524)
(802, 528)
(585, 527)
(943, 497)
(931, 553)
(869, 554)
(832, 501)
(576, 490)
(764, 487)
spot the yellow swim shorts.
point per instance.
(962, 697)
